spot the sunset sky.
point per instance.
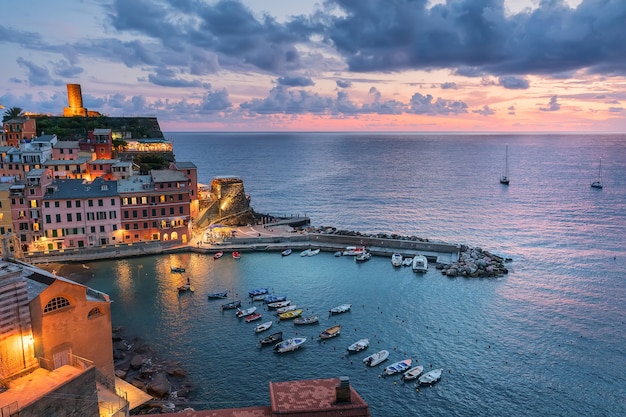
(386, 65)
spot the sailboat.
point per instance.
(598, 182)
(504, 179)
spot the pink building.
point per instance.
(81, 214)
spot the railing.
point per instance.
(70, 359)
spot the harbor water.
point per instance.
(549, 338)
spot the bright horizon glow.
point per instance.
(227, 65)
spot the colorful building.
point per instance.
(18, 129)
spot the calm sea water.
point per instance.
(547, 339)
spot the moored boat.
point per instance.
(258, 291)
(236, 255)
(232, 305)
(286, 252)
(420, 263)
(330, 332)
(430, 377)
(290, 314)
(273, 338)
(313, 252)
(177, 269)
(396, 259)
(263, 326)
(305, 252)
(215, 295)
(261, 297)
(407, 262)
(306, 320)
(359, 345)
(279, 304)
(218, 255)
(242, 313)
(376, 358)
(399, 366)
(274, 298)
(285, 309)
(289, 344)
(413, 373)
(186, 288)
(362, 257)
(252, 317)
(353, 250)
(340, 309)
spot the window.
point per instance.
(48, 219)
(145, 225)
(125, 214)
(91, 215)
(93, 229)
(181, 210)
(90, 203)
(56, 204)
(101, 229)
(77, 203)
(69, 217)
(68, 204)
(93, 313)
(114, 228)
(112, 201)
(144, 213)
(56, 303)
(100, 202)
(58, 218)
(163, 212)
(134, 214)
(46, 204)
(112, 215)
(79, 217)
(171, 210)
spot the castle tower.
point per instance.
(75, 102)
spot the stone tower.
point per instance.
(75, 102)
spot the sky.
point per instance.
(334, 65)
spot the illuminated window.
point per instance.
(56, 303)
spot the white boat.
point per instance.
(279, 304)
(430, 377)
(305, 252)
(286, 252)
(263, 326)
(396, 259)
(359, 345)
(420, 263)
(285, 309)
(413, 373)
(598, 182)
(407, 262)
(504, 179)
(246, 312)
(313, 252)
(289, 344)
(399, 366)
(306, 320)
(362, 257)
(340, 309)
(353, 250)
(376, 358)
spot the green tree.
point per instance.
(12, 113)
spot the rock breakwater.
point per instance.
(475, 263)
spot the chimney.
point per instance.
(342, 391)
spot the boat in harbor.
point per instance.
(177, 269)
(236, 255)
(289, 344)
(286, 252)
(430, 377)
(362, 257)
(242, 313)
(273, 338)
(263, 326)
(216, 295)
(420, 263)
(359, 345)
(353, 250)
(186, 288)
(290, 314)
(306, 320)
(399, 366)
(376, 358)
(305, 252)
(285, 309)
(261, 297)
(330, 332)
(413, 373)
(313, 252)
(252, 317)
(279, 304)
(258, 291)
(218, 255)
(232, 305)
(407, 262)
(340, 309)
(396, 259)
(274, 298)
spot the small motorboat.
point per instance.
(420, 263)
(396, 259)
(186, 288)
(340, 309)
(215, 295)
(279, 304)
(274, 299)
(263, 327)
(359, 345)
(261, 297)
(218, 255)
(290, 314)
(305, 252)
(258, 291)
(177, 269)
(413, 373)
(376, 358)
(400, 366)
(286, 252)
(273, 338)
(252, 317)
(232, 305)
(362, 257)
(330, 332)
(338, 254)
(285, 309)
(313, 252)
(236, 255)
(407, 262)
(306, 320)
(289, 344)
(430, 377)
(242, 313)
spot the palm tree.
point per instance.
(13, 113)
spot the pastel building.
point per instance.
(80, 214)
(26, 200)
(18, 129)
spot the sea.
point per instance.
(547, 339)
